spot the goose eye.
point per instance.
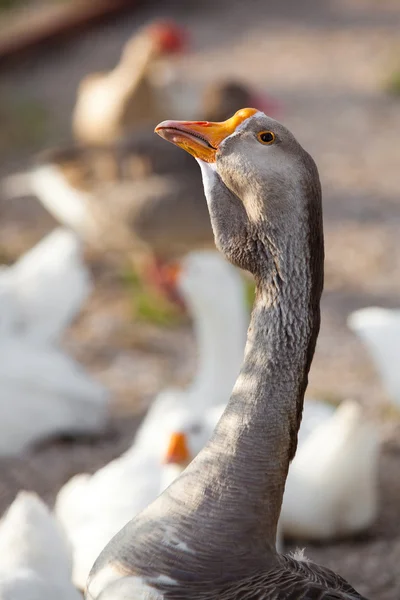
(195, 429)
(266, 137)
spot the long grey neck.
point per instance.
(220, 338)
(222, 512)
(256, 437)
(235, 485)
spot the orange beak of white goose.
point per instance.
(202, 138)
(177, 451)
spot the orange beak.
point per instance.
(177, 451)
(172, 272)
(202, 138)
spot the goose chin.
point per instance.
(177, 133)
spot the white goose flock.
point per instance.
(44, 392)
(327, 494)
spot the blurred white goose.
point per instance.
(136, 91)
(93, 508)
(44, 392)
(35, 561)
(379, 329)
(44, 290)
(332, 487)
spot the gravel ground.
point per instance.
(326, 62)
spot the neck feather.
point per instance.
(236, 484)
(224, 508)
(267, 401)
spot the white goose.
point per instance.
(35, 561)
(44, 392)
(93, 508)
(135, 91)
(332, 487)
(379, 329)
(44, 290)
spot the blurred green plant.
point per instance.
(250, 292)
(23, 122)
(147, 304)
(329, 398)
(393, 83)
(390, 412)
(7, 4)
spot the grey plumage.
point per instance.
(211, 534)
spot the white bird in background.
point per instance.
(44, 290)
(43, 391)
(332, 487)
(379, 329)
(140, 88)
(35, 558)
(178, 424)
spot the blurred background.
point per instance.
(332, 72)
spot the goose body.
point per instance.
(110, 104)
(35, 560)
(44, 290)
(92, 509)
(44, 394)
(134, 206)
(43, 391)
(379, 330)
(332, 485)
(212, 533)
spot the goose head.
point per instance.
(165, 37)
(201, 277)
(379, 330)
(191, 433)
(261, 186)
(164, 40)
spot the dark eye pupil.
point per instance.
(195, 429)
(267, 137)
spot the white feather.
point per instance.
(332, 486)
(379, 329)
(44, 392)
(44, 290)
(35, 559)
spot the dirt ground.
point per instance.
(326, 62)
